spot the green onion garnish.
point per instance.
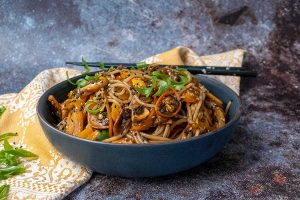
(101, 65)
(2, 110)
(5, 136)
(180, 69)
(81, 82)
(94, 111)
(68, 79)
(4, 192)
(9, 159)
(90, 78)
(103, 134)
(141, 65)
(86, 66)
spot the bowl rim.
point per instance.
(219, 130)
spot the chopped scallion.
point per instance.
(94, 111)
(2, 110)
(86, 66)
(103, 134)
(141, 65)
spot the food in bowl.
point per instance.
(137, 106)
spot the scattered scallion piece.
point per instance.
(2, 110)
(7, 146)
(9, 171)
(5, 136)
(4, 189)
(9, 158)
(103, 134)
(162, 87)
(21, 153)
(86, 66)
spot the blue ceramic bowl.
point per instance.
(139, 160)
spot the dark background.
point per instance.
(263, 159)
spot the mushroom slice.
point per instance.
(75, 122)
(146, 123)
(92, 88)
(123, 122)
(139, 113)
(99, 121)
(56, 105)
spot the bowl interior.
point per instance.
(60, 91)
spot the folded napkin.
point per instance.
(53, 176)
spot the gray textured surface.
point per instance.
(263, 159)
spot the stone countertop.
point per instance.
(263, 159)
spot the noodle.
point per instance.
(166, 131)
(153, 137)
(159, 130)
(143, 103)
(178, 122)
(140, 106)
(227, 107)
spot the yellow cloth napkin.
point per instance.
(53, 176)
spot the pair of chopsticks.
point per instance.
(209, 70)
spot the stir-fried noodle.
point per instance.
(139, 106)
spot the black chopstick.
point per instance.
(209, 70)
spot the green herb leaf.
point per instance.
(154, 81)
(141, 65)
(111, 68)
(101, 65)
(4, 189)
(86, 66)
(160, 75)
(146, 91)
(68, 79)
(21, 153)
(5, 136)
(103, 134)
(7, 159)
(179, 85)
(162, 87)
(2, 110)
(9, 171)
(7, 146)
